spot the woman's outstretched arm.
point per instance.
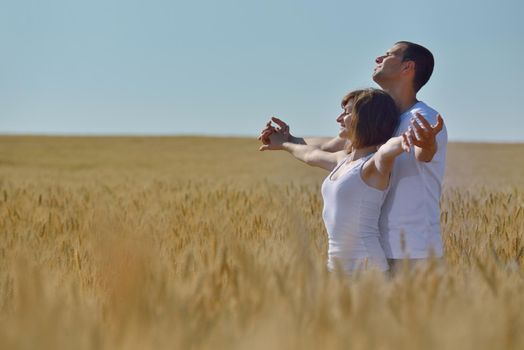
(308, 154)
(384, 159)
(376, 172)
(328, 144)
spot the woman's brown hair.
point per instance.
(374, 117)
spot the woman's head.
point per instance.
(370, 117)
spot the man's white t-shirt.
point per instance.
(410, 216)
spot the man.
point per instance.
(410, 216)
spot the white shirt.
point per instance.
(410, 216)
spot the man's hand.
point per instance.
(424, 137)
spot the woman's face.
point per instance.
(344, 118)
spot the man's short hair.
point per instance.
(424, 62)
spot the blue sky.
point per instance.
(223, 67)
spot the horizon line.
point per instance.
(244, 136)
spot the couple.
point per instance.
(381, 198)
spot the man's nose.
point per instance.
(378, 59)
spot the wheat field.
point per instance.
(205, 243)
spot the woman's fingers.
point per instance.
(412, 137)
(405, 143)
(279, 122)
(264, 137)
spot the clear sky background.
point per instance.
(223, 67)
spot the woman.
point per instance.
(355, 189)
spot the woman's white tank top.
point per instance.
(351, 215)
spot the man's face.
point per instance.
(389, 66)
(344, 119)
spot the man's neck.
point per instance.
(404, 97)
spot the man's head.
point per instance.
(404, 62)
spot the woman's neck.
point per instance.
(363, 152)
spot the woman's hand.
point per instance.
(275, 141)
(282, 127)
(406, 141)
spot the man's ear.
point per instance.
(408, 67)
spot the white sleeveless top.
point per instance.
(351, 215)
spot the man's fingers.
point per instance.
(418, 142)
(416, 139)
(423, 121)
(263, 148)
(440, 124)
(413, 137)
(419, 131)
(434, 128)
